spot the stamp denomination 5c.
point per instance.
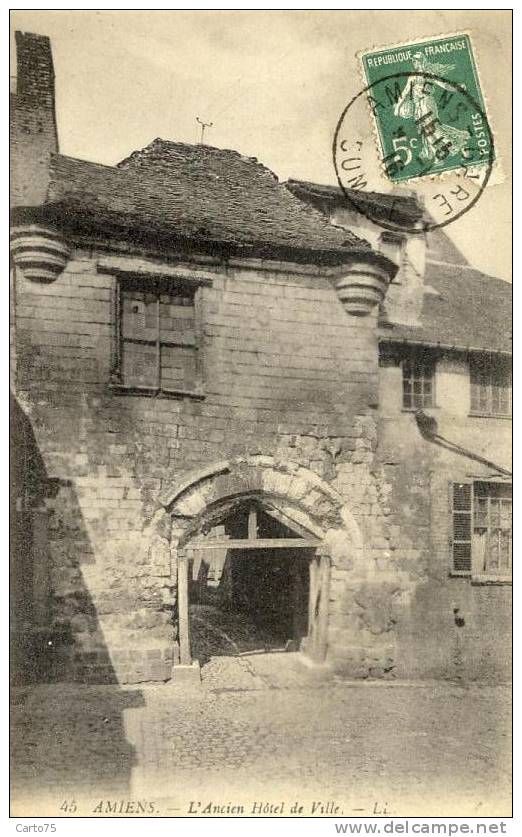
(424, 126)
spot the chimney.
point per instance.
(33, 122)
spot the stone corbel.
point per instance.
(39, 251)
(365, 281)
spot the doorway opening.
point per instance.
(270, 589)
(249, 585)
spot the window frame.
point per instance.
(482, 576)
(388, 241)
(422, 359)
(156, 284)
(489, 412)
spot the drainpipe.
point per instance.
(429, 430)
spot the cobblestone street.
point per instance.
(262, 729)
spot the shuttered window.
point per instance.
(462, 510)
(482, 530)
(157, 345)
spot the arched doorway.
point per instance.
(265, 493)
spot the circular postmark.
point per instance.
(429, 134)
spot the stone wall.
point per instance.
(450, 626)
(442, 626)
(287, 374)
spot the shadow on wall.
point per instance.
(55, 631)
(50, 608)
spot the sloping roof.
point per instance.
(441, 248)
(199, 193)
(462, 308)
(401, 209)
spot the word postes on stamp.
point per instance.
(429, 128)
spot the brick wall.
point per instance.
(33, 134)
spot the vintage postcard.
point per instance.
(261, 507)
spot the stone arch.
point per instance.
(360, 640)
(296, 491)
(303, 498)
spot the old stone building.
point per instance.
(235, 422)
(444, 336)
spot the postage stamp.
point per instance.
(430, 116)
(445, 193)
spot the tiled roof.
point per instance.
(199, 193)
(402, 209)
(462, 308)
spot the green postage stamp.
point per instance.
(428, 107)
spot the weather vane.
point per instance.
(203, 126)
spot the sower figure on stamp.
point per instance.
(418, 102)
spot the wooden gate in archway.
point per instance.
(315, 644)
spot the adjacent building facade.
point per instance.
(237, 403)
(444, 350)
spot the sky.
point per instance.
(272, 83)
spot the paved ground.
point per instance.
(262, 729)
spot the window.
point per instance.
(490, 386)
(392, 245)
(418, 382)
(481, 538)
(156, 347)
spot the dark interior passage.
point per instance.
(248, 600)
(270, 587)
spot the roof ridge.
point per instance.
(197, 150)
